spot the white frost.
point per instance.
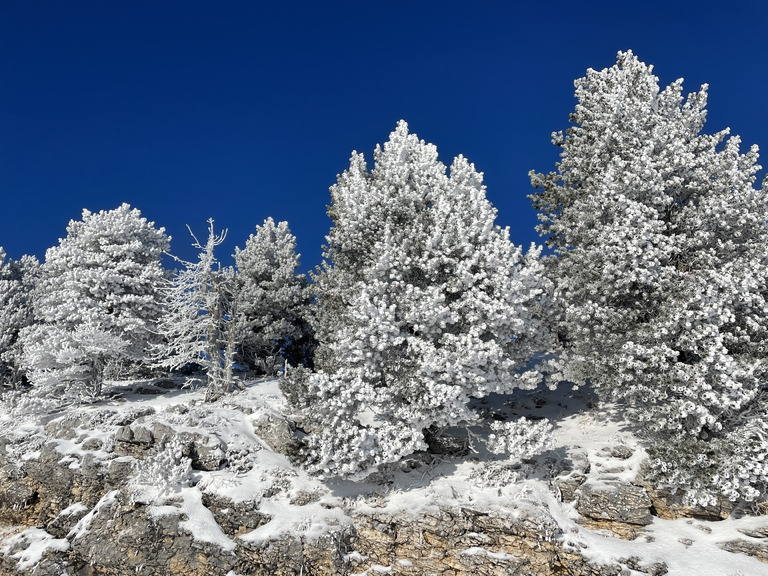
(36, 542)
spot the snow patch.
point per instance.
(310, 521)
(200, 521)
(356, 557)
(480, 551)
(35, 543)
(73, 509)
(84, 524)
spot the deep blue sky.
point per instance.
(242, 110)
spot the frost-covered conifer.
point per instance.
(17, 280)
(661, 270)
(58, 359)
(97, 299)
(200, 321)
(423, 302)
(273, 299)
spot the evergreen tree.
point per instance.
(273, 299)
(423, 302)
(97, 300)
(17, 280)
(200, 323)
(660, 269)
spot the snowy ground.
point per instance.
(301, 504)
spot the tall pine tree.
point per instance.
(17, 281)
(97, 300)
(273, 300)
(423, 302)
(661, 271)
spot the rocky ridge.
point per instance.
(164, 484)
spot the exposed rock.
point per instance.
(118, 417)
(64, 427)
(655, 569)
(60, 526)
(88, 483)
(467, 542)
(615, 502)
(53, 481)
(93, 444)
(577, 461)
(275, 430)
(621, 452)
(108, 535)
(133, 440)
(28, 544)
(611, 528)
(208, 456)
(118, 472)
(669, 505)
(143, 436)
(302, 498)
(566, 486)
(761, 532)
(82, 500)
(207, 451)
(757, 549)
(415, 461)
(18, 498)
(235, 519)
(124, 434)
(125, 539)
(295, 557)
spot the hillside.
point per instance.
(152, 480)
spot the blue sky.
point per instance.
(242, 110)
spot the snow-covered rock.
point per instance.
(110, 489)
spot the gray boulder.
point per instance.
(275, 430)
(615, 502)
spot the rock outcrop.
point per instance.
(616, 506)
(73, 502)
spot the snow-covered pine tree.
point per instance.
(200, 321)
(661, 271)
(423, 302)
(97, 300)
(17, 280)
(273, 300)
